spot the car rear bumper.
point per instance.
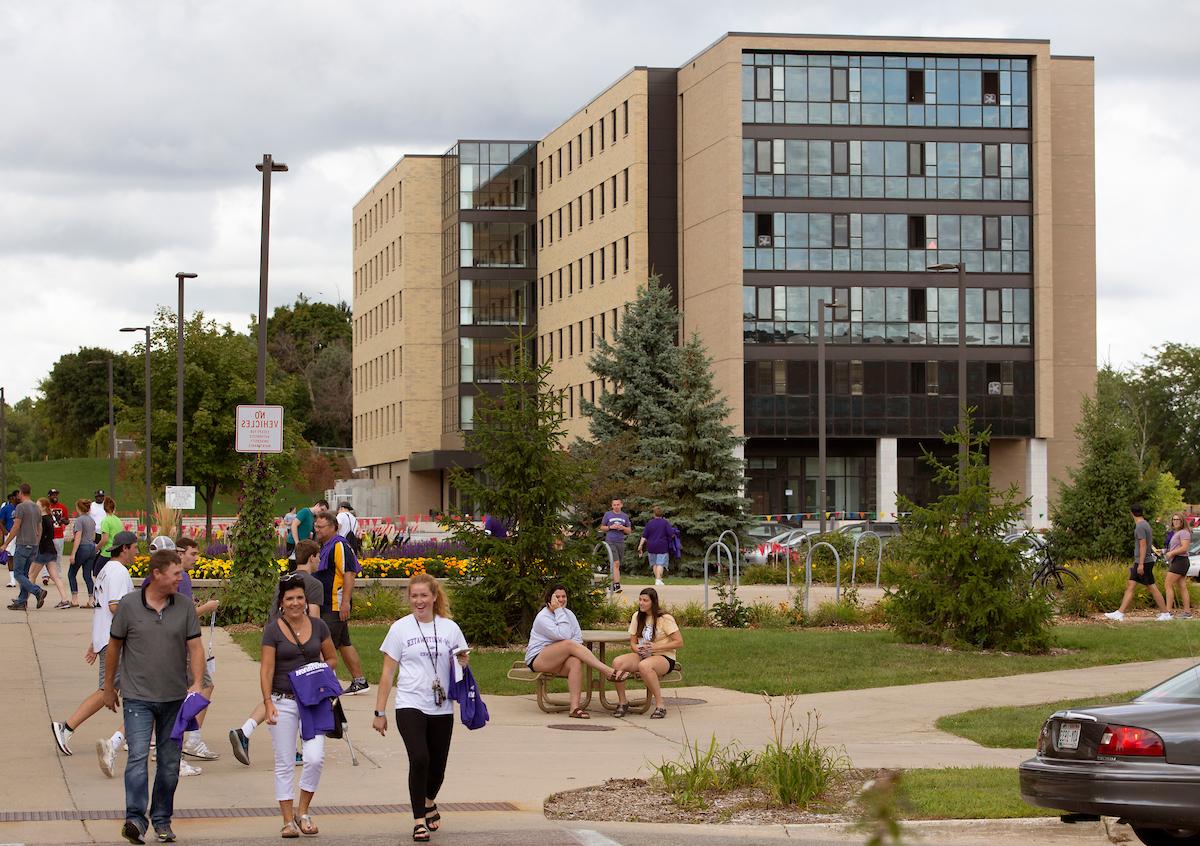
(1155, 793)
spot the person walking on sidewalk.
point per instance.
(616, 526)
(6, 524)
(292, 640)
(1179, 541)
(62, 517)
(109, 527)
(47, 555)
(1142, 571)
(154, 639)
(96, 509)
(656, 542)
(26, 532)
(111, 585)
(83, 552)
(336, 570)
(305, 519)
(307, 557)
(420, 646)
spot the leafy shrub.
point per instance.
(373, 601)
(610, 611)
(763, 574)
(728, 611)
(1102, 584)
(690, 616)
(718, 767)
(794, 768)
(768, 615)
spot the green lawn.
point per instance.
(1017, 727)
(81, 477)
(968, 793)
(806, 661)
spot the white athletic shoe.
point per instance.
(197, 748)
(62, 736)
(106, 752)
(1115, 615)
(658, 582)
(1163, 617)
(186, 769)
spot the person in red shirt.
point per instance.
(60, 516)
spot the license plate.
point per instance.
(1068, 736)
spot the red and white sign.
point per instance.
(259, 428)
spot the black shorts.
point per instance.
(339, 630)
(1179, 565)
(670, 663)
(529, 663)
(1135, 574)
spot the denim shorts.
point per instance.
(659, 559)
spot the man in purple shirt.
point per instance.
(616, 526)
(656, 542)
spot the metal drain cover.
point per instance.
(581, 726)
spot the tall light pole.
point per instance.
(146, 451)
(266, 167)
(178, 378)
(963, 448)
(821, 457)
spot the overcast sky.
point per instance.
(130, 131)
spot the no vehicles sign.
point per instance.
(259, 428)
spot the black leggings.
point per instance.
(427, 739)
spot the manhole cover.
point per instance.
(683, 700)
(579, 727)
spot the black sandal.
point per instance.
(421, 833)
(658, 714)
(432, 817)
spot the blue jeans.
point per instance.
(22, 558)
(142, 718)
(84, 554)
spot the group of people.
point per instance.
(1145, 555)
(659, 541)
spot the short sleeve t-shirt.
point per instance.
(110, 525)
(111, 585)
(304, 523)
(85, 530)
(1184, 538)
(96, 509)
(1142, 531)
(314, 593)
(612, 518)
(657, 634)
(46, 541)
(31, 521)
(417, 648)
(288, 656)
(154, 647)
(6, 515)
(59, 512)
(332, 574)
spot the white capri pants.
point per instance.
(283, 739)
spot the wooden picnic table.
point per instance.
(598, 640)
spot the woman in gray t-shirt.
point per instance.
(83, 553)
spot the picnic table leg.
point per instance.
(605, 703)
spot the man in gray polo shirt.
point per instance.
(152, 640)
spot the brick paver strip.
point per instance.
(216, 813)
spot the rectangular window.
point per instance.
(602, 134)
(600, 189)
(916, 231)
(856, 378)
(916, 86)
(762, 156)
(579, 147)
(560, 229)
(571, 401)
(991, 159)
(612, 120)
(841, 85)
(560, 348)
(560, 283)
(916, 158)
(591, 269)
(570, 157)
(602, 263)
(570, 341)
(625, 116)
(591, 204)
(591, 333)
(570, 279)
(591, 142)
(614, 191)
(991, 88)
(762, 83)
(625, 241)
(625, 179)
(841, 230)
(916, 304)
(570, 218)
(560, 162)
(841, 157)
(991, 233)
(764, 229)
(991, 305)
(603, 327)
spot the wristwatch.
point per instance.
(381, 713)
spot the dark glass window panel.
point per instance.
(991, 233)
(762, 157)
(916, 158)
(991, 88)
(991, 159)
(841, 157)
(991, 311)
(916, 86)
(916, 231)
(916, 304)
(916, 377)
(841, 231)
(841, 86)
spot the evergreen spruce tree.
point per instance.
(690, 463)
(1091, 517)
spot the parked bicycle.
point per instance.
(1045, 572)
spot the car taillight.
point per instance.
(1043, 738)
(1130, 741)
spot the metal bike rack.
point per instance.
(787, 549)
(879, 557)
(715, 546)
(737, 553)
(612, 562)
(808, 570)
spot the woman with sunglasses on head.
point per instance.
(290, 642)
(1179, 540)
(654, 636)
(421, 648)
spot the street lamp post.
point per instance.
(146, 452)
(178, 379)
(821, 456)
(963, 448)
(266, 167)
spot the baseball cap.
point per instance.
(51, 491)
(346, 506)
(99, 494)
(124, 539)
(161, 542)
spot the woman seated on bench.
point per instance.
(556, 648)
(654, 637)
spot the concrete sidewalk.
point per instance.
(519, 759)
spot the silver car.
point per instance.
(1139, 761)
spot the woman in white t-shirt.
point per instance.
(653, 637)
(422, 647)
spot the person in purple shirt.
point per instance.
(494, 526)
(656, 541)
(616, 526)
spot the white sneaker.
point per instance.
(658, 582)
(186, 769)
(197, 748)
(1163, 617)
(1115, 615)
(62, 736)
(107, 754)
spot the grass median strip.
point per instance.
(968, 793)
(782, 661)
(1016, 727)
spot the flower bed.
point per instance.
(372, 568)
